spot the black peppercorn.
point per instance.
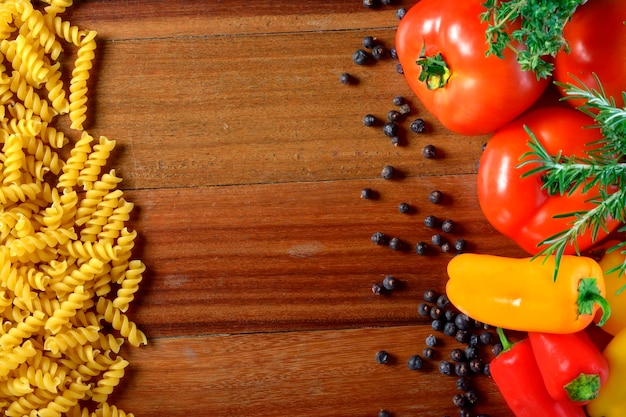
(369, 42)
(486, 338)
(361, 57)
(367, 193)
(457, 355)
(460, 245)
(447, 226)
(384, 413)
(437, 239)
(346, 79)
(415, 362)
(446, 247)
(369, 120)
(474, 339)
(430, 296)
(394, 116)
(387, 172)
(404, 109)
(418, 126)
(395, 244)
(379, 238)
(379, 52)
(391, 129)
(462, 336)
(497, 348)
(428, 352)
(462, 369)
(476, 365)
(450, 315)
(404, 208)
(370, 4)
(421, 248)
(486, 369)
(472, 396)
(435, 313)
(459, 400)
(396, 141)
(399, 69)
(463, 383)
(390, 282)
(423, 309)
(445, 367)
(393, 53)
(429, 151)
(471, 352)
(435, 196)
(449, 329)
(382, 357)
(400, 13)
(462, 321)
(399, 100)
(431, 340)
(431, 221)
(377, 289)
(443, 301)
(438, 324)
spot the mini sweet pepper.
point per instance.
(611, 402)
(615, 292)
(523, 294)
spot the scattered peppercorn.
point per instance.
(367, 193)
(387, 172)
(486, 338)
(369, 42)
(423, 309)
(404, 109)
(437, 324)
(377, 289)
(472, 396)
(379, 52)
(450, 315)
(460, 245)
(461, 369)
(370, 4)
(457, 355)
(390, 282)
(399, 68)
(382, 357)
(497, 349)
(361, 57)
(394, 115)
(471, 352)
(384, 413)
(462, 321)
(443, 301)
(399, 101)
(437, 239)
(396, 141)
(435, 196)
(347, 79)
(463, 383)
(447, 226)
(459, 400)
(431, 221)
(430, 296)
(428, 352)
(415, 362)
(421, 248)
(429, 152)
(379, 239)
(431, 340)
(435, 313)
(446, 247)
(445, 367)
(404, 208)
(418, 126)
(396, 244)
(391, 129)
(400, 13)
(476, 365)
(449, 329)
(369, 120)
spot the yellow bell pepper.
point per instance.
(611, 402)
(614, 283)
(522, 294)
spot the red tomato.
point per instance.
(482, 93)
(519, 207)
(597, 38)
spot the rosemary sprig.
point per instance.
(541, 24)
(603, 166)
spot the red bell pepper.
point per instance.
(518, 378)
(520, 207)
(572, 366)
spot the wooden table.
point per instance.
(245, 157)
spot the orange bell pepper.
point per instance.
(522, 294)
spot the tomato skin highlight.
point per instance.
(483, 93)
(596, 35)
(518, 207)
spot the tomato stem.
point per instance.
(435, 72)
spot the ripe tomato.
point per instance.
(597, 39)
(473, 94)
(519, 207)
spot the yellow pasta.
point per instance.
(67, 275)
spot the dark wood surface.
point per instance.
(245, 157)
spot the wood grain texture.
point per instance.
(245, 158)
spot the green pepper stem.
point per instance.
(435, 72)
(589, 295)
(506, 343)
(584, 387)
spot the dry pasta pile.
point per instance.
(66, 273)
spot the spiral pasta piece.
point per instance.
(67, 276)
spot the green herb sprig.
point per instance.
(603, 166)
(540, 29)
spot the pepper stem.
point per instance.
(585, 387)
(435, 72)
(506, 343)
(588, 295)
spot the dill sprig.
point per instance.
(539, 27)
(603, 167)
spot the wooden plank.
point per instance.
(293, 256)
(304, 374)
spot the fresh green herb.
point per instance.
(540, 29)
(604, 167)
